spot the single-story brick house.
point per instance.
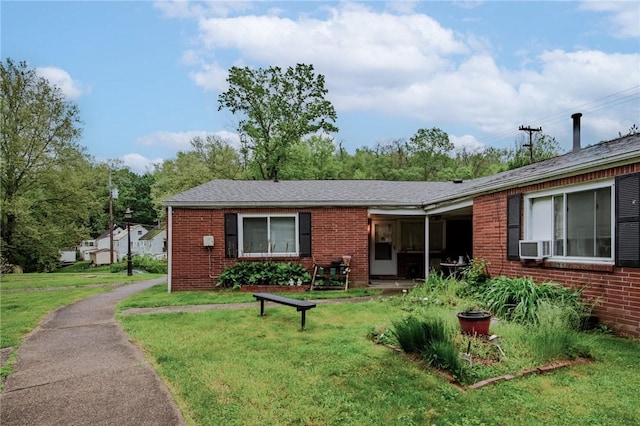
(576, 216)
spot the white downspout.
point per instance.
(169, 246)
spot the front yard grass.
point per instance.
(25, 299)
(157, 296)
(234, 367)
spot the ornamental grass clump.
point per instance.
(554, 334)
(430, 338)
(518, 299)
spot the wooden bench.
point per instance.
(300, 305)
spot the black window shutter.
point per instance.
(230, 235)
(514, 208)
(304, 234)
(628, 220)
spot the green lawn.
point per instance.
(25, 299)
(233, 367)
(157, 296)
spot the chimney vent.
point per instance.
(576, 131)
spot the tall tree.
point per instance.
(277, 108)
(209, 158)
(430, 150)
(44, 174)
(544, 147)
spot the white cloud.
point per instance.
(181, 141)
(623, 16)
(138, 163)
(408, 65)
(58, 77)
(466, 142)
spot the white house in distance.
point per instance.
(120, 241)
(87, 247)
(154, 242)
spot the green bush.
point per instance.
(262, 273)
(517, 299)
(144, 263)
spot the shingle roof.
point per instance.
(625, 150)
(251, 193)
(400, 194)
(153, 232)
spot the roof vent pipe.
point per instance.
(576, 131)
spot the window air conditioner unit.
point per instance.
(535, 249)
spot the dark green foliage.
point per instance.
(262, 273)
(430, 338)
(144, 263)
(517, 299)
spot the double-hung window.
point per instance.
(577, 220)
(268, 235)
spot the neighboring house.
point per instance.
(67, 256)
(103, 241)
(121, 239)
(583, 207)
(85, 248)
(154, 242)
(100, 257)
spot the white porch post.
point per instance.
(169, 246)
(426, 247)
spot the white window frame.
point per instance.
(268, 216)
(561, 191)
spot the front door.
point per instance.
(383, 249)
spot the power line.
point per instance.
(631, 94)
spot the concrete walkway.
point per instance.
(78, 368)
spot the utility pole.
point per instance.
(530, 130)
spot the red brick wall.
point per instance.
(617, 289)
(334, 232)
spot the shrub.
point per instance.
(262, 273)
(477, 274)
(144, 263)
(517, 299)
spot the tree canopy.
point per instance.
(277, 110)
(45, 175)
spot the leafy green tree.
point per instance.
(134, 192)
(313, 158)
(278, 109)
(45, 175)
(430, 149)
(210, 158)
(544, 147)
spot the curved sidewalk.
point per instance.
(78, 368)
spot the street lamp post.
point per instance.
(127, 215)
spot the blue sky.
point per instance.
(146, 75)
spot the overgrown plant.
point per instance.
(554, 335)
(262, 273)
(145, 263)
(477, 274)
(517, 299)
(432, 339)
